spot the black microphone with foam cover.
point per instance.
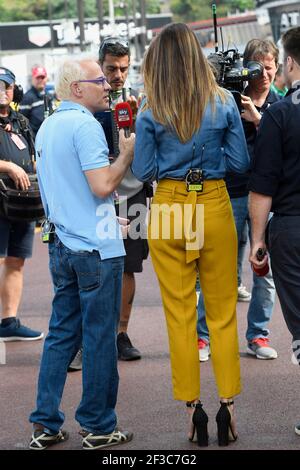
(108, 122)
(123, 115)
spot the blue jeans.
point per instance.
(263, 289)
(85, 308)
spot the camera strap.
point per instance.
(26, 132)
(194, 177)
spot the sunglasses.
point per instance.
(99, 81)
(111, 41)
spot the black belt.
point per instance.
(175, 179)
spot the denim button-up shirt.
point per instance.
(217, 147)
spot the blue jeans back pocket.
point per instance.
(88, 270)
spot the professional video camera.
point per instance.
(230, 70)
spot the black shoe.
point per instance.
(126, 352)
(226, 432)
(41, 440)
(76, 364)
(199, 429)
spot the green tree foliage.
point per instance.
(152, 6)
(196, 10)
(183, 10)
(18, 10)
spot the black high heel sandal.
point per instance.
(199, 420)
(224, 424)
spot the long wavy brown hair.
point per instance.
(178, 80)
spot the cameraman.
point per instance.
(16, 238)
(86, 258)
(32, 105)
(256, 99)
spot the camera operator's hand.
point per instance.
(126, 146)
(19, 176)
(249, 112)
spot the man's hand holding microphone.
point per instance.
(123, 114)
(124, 120)
(104, 181)
(259, 259)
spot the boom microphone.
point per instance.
(123, 115)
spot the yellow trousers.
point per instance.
(173, 219)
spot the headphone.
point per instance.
(18, 94)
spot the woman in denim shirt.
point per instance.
(188, 134)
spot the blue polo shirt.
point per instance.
(69, 143)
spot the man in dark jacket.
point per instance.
(275, 186)
(32, 105)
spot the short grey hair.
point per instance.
(70, 71)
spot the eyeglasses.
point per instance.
(98, 81)
(112, 41)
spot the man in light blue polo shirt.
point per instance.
(86, 258)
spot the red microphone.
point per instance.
(261, 272)
(123, 115)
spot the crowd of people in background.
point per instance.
(202, 150)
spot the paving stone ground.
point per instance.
(266, 410)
